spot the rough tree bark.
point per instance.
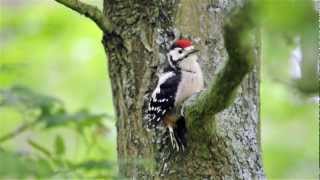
(222, 121)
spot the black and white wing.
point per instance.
(163, 98)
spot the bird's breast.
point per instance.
(191, 82)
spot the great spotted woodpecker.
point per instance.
(179, 80)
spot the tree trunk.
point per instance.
(223, 145)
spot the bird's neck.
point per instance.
(190, 65)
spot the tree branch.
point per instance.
(240, 41)
(90, 12)
(20, 129)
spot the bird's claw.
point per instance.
(174, 142)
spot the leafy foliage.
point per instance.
(289, 125)
(50, 113)
(288, 26)
(52, 136)
(19, 166)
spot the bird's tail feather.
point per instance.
(181, 132)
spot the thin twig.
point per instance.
(22, 128)
(89, 11)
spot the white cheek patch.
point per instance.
(175, 55)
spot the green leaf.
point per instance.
(17, 166)
(59, 145)
(40, 148)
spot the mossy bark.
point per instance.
(222, 144)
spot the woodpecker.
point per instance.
(179, 80)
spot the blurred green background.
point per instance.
(56, 113)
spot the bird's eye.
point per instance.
(180, 51)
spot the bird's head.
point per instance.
(181, 50)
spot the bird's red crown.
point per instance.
(183, 43)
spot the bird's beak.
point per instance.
(192, 51)
(189, 52)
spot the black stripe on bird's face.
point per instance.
(189, 53)
(178, 54)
